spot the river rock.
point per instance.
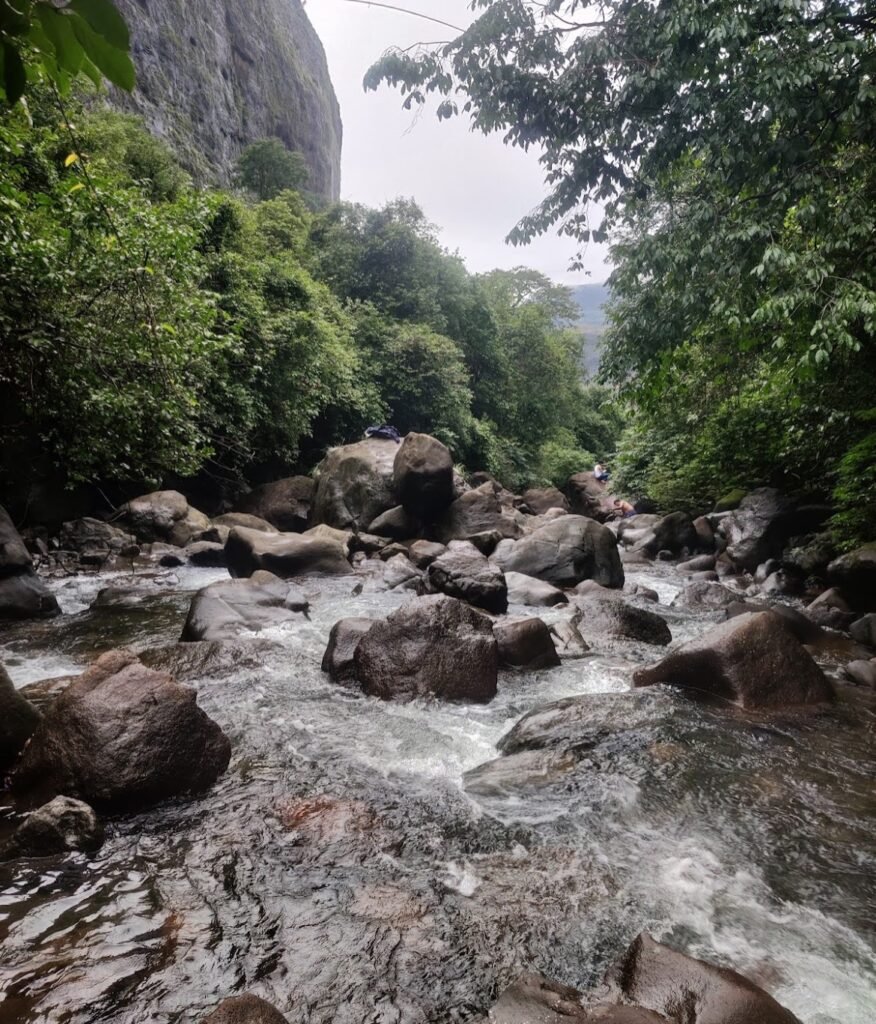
(229, 520)
(763, 522)
(235, 608)
(798, 624)
(93, 539)
(589, 497)
(18, 722)
(705, 594)
(610, 615)
(810, 558)
(830, 609)
(400, 572)
(565, 552)
(23, 595)
(162, 516)
(433, 646)
(396, 523)
(700, 563)
(689, 991)
(862, 672)
(705, 534)
(478, 513)
(424, 552)
(674, 534)
(123, 736)
(245, 1009)
(63, 825)
(632, 531)
(355, 484)
(206, 554)
(525, 644)
(855, 574)
(542, 499)
(203, 659)
(463, 572)
(864, 629)
(752, 660)
(282, 504)
(285, 554)
(568, 640)
(423, 477)
(533, 999)
(338, 661)
(530, 591)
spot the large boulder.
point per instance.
(752, 660)
(610, 615)
(339, 658)
(229, 520)
(285, 504)
(355, 484)
(237, 608)
(542, 499)
(705, 594)
(675, 532)
(432, 646)
(530, 591)
(589, 497)
(245, 1009)
(162, 516)
(855, 574)
(565, 552)
(864, 629)
(93, 539)
(423, 476)
(63, 825)
(689, 991)
(763, 523)
(286, 555)
(397, 523)
(525, 644)
(533, 999)
(122, 736)
(463, 572)
(424, 552)
(478, 512)
(23, 595)
(18, 722)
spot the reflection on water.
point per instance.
(341, 870)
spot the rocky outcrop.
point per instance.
(18, 722)
(285, 555)
(525, 644)
(432, 646)
(355, 484)
(63, 825)
(214, 77)
(565, 552)
(245, 1009)
(285, 504)
(122, 736)
(463, 572)
(752, 660)
(423, 477)
(238, 608)
(22, 594)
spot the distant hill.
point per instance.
(591, 298)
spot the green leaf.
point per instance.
(14, 77)
(103, 17)
(113, 62)
(59, 30)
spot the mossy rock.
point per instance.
(731, 500)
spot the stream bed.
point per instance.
(347, 870)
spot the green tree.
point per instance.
(267, 167)
(59, 41)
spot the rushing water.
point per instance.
(342, 870)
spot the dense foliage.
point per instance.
(149, 328)
(731, 147)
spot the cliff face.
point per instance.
(215, 75)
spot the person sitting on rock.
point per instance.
(623, 508)
(600, 473)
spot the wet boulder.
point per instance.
(63, 825)
(283, 504)
(23, 595)
(762, 524)
(206, 554)
(700, 563)
(463, 572)
(589, 497)
(704, 594)
(811, 557)
(399, 572)
(610, 615)
(229, 520)
(424, 552)
(861, 672)
(830, 609)
(705, 534)
(423, 477)
(202, 659)
(542, 499)
(93, 540)
(533, 999)
(237, 608)
(478, 512)
(855, 574)
(751, 660)
(245, 1009)
(798, 624)
(674, 534)
(690, 991)
(397, 524)
(338, 661)
(18, 722)
(864, 629)
(355, 484)
(122, 736)
(565, 552)
(530, 591)
(161, 516)
(525, 644)
(286, 555)
(433, 646)
(568, 640)
(633, 531)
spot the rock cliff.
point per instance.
(215, 75)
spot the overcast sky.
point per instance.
(475, 188)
